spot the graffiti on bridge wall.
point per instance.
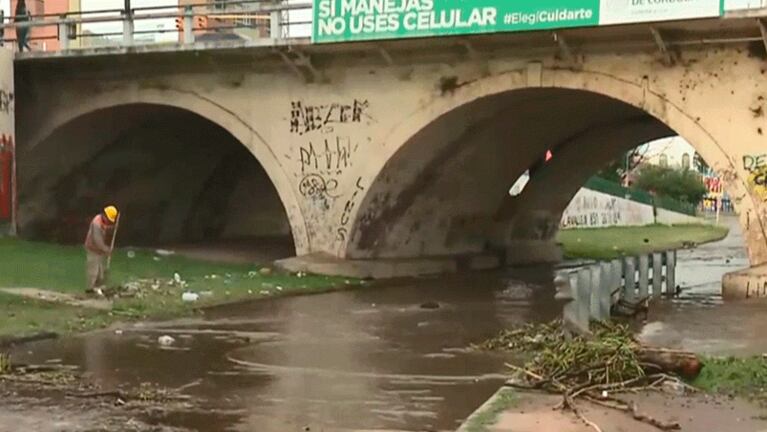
(6, 101)
(332, 134)
(756, 166)
(305, 118)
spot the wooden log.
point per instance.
(683, 363)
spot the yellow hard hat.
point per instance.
(111, 213)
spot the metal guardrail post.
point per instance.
(657, 275)
(583, 296)
(595, 312)
(605, 290)
(188, 25)
(64, 35)
(570, 311)
(644, 276)
(127, 16)
(671, 273)
(617, 278)
(629, 276)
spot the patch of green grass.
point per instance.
(745, 377)
(22, 316)
(504, 399)
(62, 268)
(614, 242)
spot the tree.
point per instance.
(679, 184)
(700, 165)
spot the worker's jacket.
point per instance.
(99, 235)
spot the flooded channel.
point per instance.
(384, 357)
(380, 358)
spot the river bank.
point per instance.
(392, 358)
(151, 285)
(43, 266)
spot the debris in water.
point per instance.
(252, 274)
(164, 253)
(131, 254)
(165, 340)
(279, 288)
(190, 297)
(265, 271)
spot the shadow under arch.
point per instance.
(240, 128)
(156, 158)
(479, 116)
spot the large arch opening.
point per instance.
(179, 178)
(445, 192)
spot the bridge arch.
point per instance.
(461, 150)
(108, 107)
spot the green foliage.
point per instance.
(738, 376)
(614, 242)
(679, 184)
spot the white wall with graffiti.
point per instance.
(592, 209)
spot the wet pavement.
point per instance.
(383, 357)
(699, 320)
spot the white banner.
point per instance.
(635, 11)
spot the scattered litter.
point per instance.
(118, 332)
(176, 278)
(252, 274)
(131, 254)
(163, 252)
(265, 271)
(206, 293)
(250, 291)
(165, 340)
(279, 288)
(190, 297)
(301, 274)
(264, 292)
(156, 258)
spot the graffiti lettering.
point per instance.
(348, 207)
(314, 185)
(332, 156)
(6, 101)
(308, 118)
(753, 163)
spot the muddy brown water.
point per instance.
(377, 358)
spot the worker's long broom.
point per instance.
(112, 246)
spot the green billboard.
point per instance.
(357, 20)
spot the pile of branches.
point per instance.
(593, 368)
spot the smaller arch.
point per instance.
(193, 102)
(166, 166)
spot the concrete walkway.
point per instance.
(59, 297)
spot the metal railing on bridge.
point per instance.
(265, 22)
(214, 21)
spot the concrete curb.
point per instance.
(484, 408)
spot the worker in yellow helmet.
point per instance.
(98, 248)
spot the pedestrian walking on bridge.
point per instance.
(98, 248)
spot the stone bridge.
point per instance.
(394, 157)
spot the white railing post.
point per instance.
(64, 34)
(127, 27)
(188, 25)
